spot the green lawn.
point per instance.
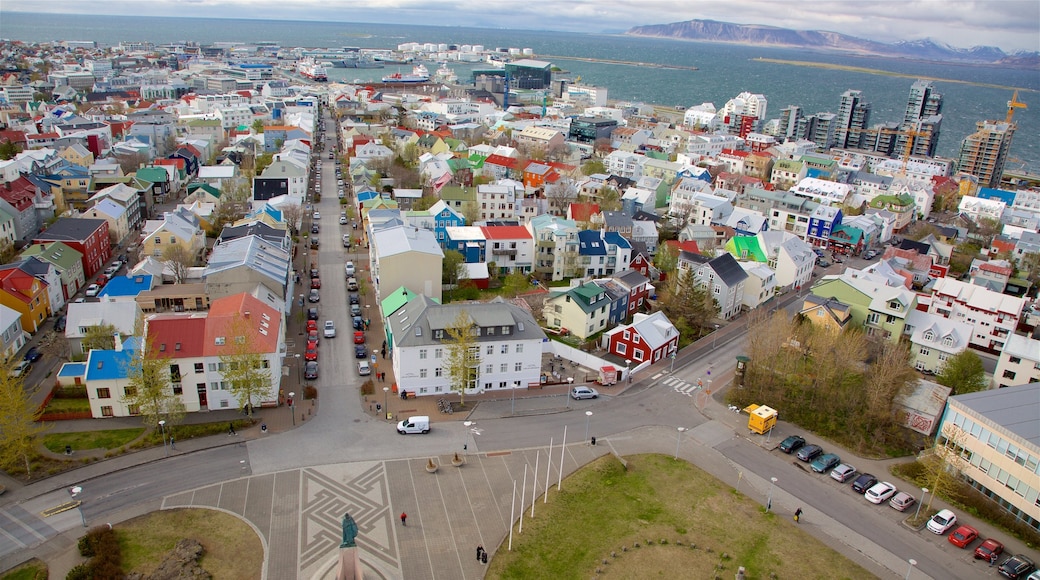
(660, 518)
(81, 441)
(31, 570)
(67, 405)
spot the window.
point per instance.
(212, 367)
(130, 391)
(104, 394)
(199, 368)
(928, 335)
(517, 367)
(873, 318)
(489, 369)
(519, 348)
(106, 411)
(925, 352)
(437, 372)
(490, 349)
(422, 354)
(1009, 374)
(1014, 360)
(177, 389)
(438, 334)
(637, 354)
(622, 348)
(503, 368)
(717, 289)
(490, 331)
(438, 352)
(948, 341)
(505, 349)
(422, 373)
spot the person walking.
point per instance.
(404, 519)
(231, 428)
(797, 514)
(480, 550)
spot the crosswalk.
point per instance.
(680, 386)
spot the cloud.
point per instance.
(1008, 24)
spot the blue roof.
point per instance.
(108, 364)
(73, 370)
(590, 243)
(616, 239)
(127, 286)
(1005, 196)
(366, 195)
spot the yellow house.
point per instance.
(27, 295)
(77, 155)
(826, 312)
(178, 227)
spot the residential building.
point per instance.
(12, 336)
(935, 340)
(828, 313)
(27, 295)
(246, 265)
(66, 261)
(556, 246)
(1019, 362)
(984, 153)
(87, 236)
(508, 346)
(46, 273)
(994, 316)
(82, 316)
(993, 436)
(510, 248)
(581, 311)
(722, 276)
(179, 227)
(406, 256)
(875, 304)
(650, 338)
(760, 285)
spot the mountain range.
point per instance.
(753, 34)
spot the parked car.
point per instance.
(989, 550)
(330, 329)
(342, 218)
(825, 462)
(312, 352)
(863, 483)
(791, 444)
(312, 336)
(314, 273)
(316, 216)
(352, 285)
(870, 255)
(357, 322)
(349, 267)
(312, 314)
(315, 229)
(312, 325)
(809, 452)
(93, 290)
(363, 368)
(823, 263)
(1016, 567)
(360, 351)
(941, 522)
(310, 370)
(354, 298)
(880, 492)
(578, 393)
(355, 309)
(963, 536)
(315, 283)
(112, 269)
(33, 354)
(346, 240)
(314, 296)
(21, 369)
(315, 242)
(359, 337)
(843, 472)
(901, 501)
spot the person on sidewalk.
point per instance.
(231, 428)
(404, 519)
(480, 550)
(797, 514)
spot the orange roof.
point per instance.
(506, 232)
(262, 324)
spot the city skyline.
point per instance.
(1012, 25)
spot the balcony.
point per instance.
(504, 252)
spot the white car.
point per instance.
(881, 492)
(330, 329)
(21, 369)
(342, 220)
(93, 290)
(346, 240)
(316, 216)
(349, 267)
(578, 393)
(942, 522)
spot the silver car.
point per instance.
(578, 393)
(843, 472)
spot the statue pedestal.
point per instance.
(349, 564)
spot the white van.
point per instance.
(418, 424)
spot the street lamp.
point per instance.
(292, 406)
(910, 568)
(714, 337)
(769, 498)
(386, 406)
(628, 363)
(675, 351)
(74, 491)
(299, 368)
(678, 439)
(588, 419)
(924, 492)
(162, 428)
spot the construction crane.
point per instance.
(1013, 104)
(911, 134)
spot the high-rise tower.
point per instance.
(923, 116)
(984, 153)
(853, 116)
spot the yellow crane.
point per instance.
(911, 134)
(1013, 104)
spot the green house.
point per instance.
(879, 308)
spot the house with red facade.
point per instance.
(636, 286)
(538, 174)
(87, 236)
(18, 199)
(650, 337)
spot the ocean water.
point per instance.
(722, 72)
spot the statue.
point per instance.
(350, 531)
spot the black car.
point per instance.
(354, 298)
(312, 314)
(59, 324)
(310, 371)
(358, 322)
(809, 452)
(360, 351)
(791, 444)
(315, 229)
(863, 483)
(33, 354)
(355, 309)
(314, 273)
(1016, 567)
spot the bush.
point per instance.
(310, 392)
(80, 572)
(70, 392)
(368, 388)
(106, 560)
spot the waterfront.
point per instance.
(722, 70)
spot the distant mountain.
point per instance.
(753, 34)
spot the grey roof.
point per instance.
(251, 252)
(71, 229)
(258, 228)
(617, 219)
(1016, 409)
(631, 278)
(727, 268)
(413, 324)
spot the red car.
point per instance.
(311, 353)
(963, 536)
(315, 283)
(359, 337)
(102, 280)
(312, 325)
(312, 336)
(989, 550)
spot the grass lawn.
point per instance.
(31, 570)
(67, 405)
(686, 523)
(233, 551)
(81, 441)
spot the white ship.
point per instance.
(312, 70)
(445, 75)
(419, 74)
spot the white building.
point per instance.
(1019, 362)
(994, 316)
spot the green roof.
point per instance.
(788, 164)
(192, 187)
(456, 163)
(153, 174)
(854, 234)
(204, 123)
(60, 254)
(746, 248)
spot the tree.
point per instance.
(292, 213)
(666, 259)
(179, 260)
(560, 196)
(258, 126)
(149, 390)
(8, 150)
(100, 337)
(514, 284)
(246, 369)
(593, 166)
(463, 354)
(452, 268)
(688, 304)
(7, 251)
(262, 162)
(19, 429)
(963, 373)
(609, 199)
(233, 205)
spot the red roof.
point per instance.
(582, 212)
(19, 193)
(39, 136)
(735, 152)
(19, 283)
(687, 246)
(167, 331)
(501, 160)
(262, 324)
(506, 233)
(16, 137)
(990, 267)
(177, 162)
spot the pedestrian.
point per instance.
(797, 514)
(404, 519)
(480, 550)
(384, 345)
(173, 444)
(231, 428)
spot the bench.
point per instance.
(410, 394)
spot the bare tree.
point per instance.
(292, 213)
(179, 260)
(560, 196)
(463, 355)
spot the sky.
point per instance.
(1011, 25)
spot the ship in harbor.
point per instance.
(419, 74)
(314, 71)
(445, 75)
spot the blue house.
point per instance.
(821, 223)
(444, 217)
(126, 286)
(1005, 196)
(469, 241)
